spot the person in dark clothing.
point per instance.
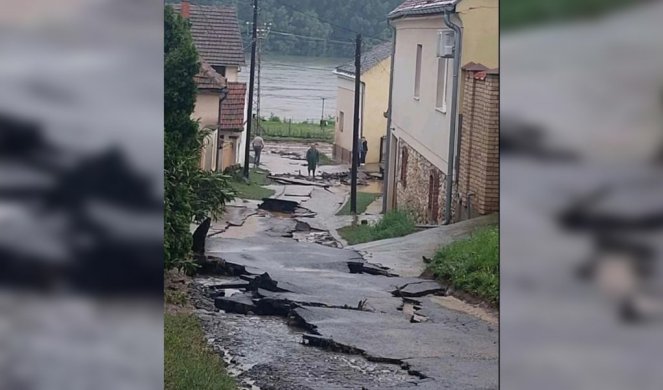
(312, 158)
(364, 150)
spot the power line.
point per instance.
(327, 40)
(312, 38)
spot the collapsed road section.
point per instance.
(323, 291)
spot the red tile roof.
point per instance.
(233, 108)
(208, 78)
(216, 34)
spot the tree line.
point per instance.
(326, 20)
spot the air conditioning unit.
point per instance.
(445, 44)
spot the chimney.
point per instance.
(185, 10)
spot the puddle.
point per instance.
(280, 214)
(373, 187)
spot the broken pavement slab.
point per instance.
(430, 349)
(238, 303)
(288, 179)
(420, 289)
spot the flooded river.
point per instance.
(293, 87)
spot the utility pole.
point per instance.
(249, 106)
(263, 32)
(355, 130)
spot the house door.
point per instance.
(229, 152)
(433, 197)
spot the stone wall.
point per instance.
(421, 186)
(341, 154)
(479, 171)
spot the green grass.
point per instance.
(393, 224)
(522, 13)
(471, 265)
(273, 130)
(363, 200)
(188, 361)
(254, 189)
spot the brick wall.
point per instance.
(421, 186)
(479, 142)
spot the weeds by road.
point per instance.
(189, 363)
(472, 264)
(276, 129)
(363, 200)
(254, 188)
(393, 224)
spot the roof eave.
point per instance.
(347, 75)
(449, 8)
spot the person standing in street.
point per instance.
(258, 144)
(364, 150)
(312, 158)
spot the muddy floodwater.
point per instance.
(293, 87)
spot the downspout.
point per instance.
(454, 115)
(361, 117)
(222, 97)
(386, 159)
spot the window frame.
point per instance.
(417, 71)
(443, 87)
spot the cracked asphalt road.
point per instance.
(364, 330)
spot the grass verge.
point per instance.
(393, 224)
(363, 200)
(471, 265)
(188, 361)
(254, 188)
(275, 130)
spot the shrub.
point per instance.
(190, 193)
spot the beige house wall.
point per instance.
(418, 126)
(206, 109)
(480, 21)
(232, 74)
(415, 119)
(343, 133)
(376, 101)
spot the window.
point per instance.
(341, 120)
(417, 72)
(442, 78)
(404, 158)
(220, 70)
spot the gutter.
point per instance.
(385, 180)
(346, 76)
(454, 114)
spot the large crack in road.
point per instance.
(289, 308)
